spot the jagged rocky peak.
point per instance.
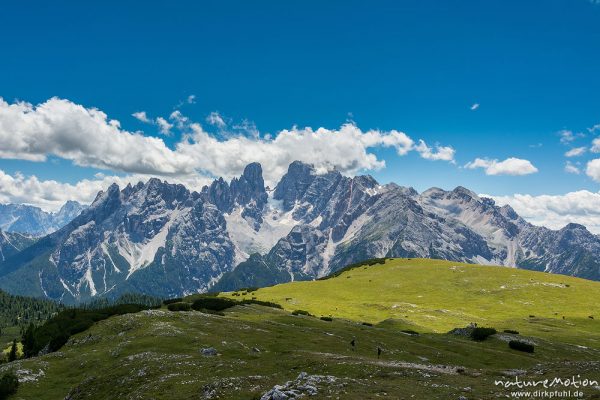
(294, 183)
(250, 186)
(105, 202)
(433, 193)
(508, 212)
(574, 232)
(464, 193)
(70, 210)
(248, 189)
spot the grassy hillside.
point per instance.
(244, 351)
(157, 354)
(436, 296)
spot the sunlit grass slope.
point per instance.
(436, 295)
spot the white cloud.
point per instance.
(575, 152)
(445, 153)
(215, 119)
(142, 116)
(87, 137)
(571, 168)
(567, 136)
(84, 135)
(593, 169)
(164, 126)
(180, 119)
(510, 166)
(346, 148)
(595, 145)
(595, 127)
(555, 211)
(191, 99)
(474, 106)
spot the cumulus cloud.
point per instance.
(141, 116)
(84, 135)
(474, 106)
(445, 153)
(510, 166)
(593, 169)
(575, 152)
(215, 119)
(88, 137)
(572, 168)
(555, 211)
(164, 126)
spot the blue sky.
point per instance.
(413, 66)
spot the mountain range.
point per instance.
(34, 221)
(163, 239)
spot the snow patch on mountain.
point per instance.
(276, 224)
(139, 255)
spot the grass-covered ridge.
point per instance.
(436, 296)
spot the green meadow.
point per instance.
(437, 295)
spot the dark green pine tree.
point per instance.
(28, 341)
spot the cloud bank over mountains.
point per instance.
(89, 138)
(555, 211)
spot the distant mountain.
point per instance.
(35, 221)
(162, 239)
(12, 243)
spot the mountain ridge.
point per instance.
(165, 240)
(31, 220)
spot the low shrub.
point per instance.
(302, 312)
(181, 306)
(261, 303)
(8, 385)
(521, 346)
(329, 319)
(213, 303)
(171, 301)
(480, 334)
(511, 331)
